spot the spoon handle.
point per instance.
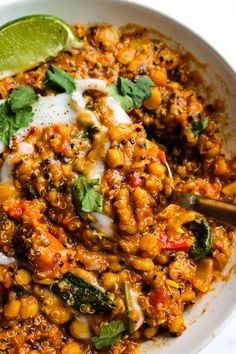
(217, 209)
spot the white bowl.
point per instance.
(220, 304)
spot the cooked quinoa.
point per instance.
(135, 252)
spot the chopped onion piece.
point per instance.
(1, 147)
(4, 260)
(103, 223)
(135, 305)
(97, 170)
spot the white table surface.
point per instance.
(215, 21)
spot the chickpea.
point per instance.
(144, 264)
(22, 277)
(169, 59)
(120, 132)
(115, 266)
(210, 146)
(28, 307)
(137, 65)
(72, 348)
(157, 169)
(220, 167)
(162, 259)
(114, 158)
(110, 280)
(230, 189)
(154, 101)
(8, 190)
(174, 85)
(148, 243)
(126, 55)
(176, 325)
(188, 295)
(52, 306)
(124, 276)
(85, 275)
(11, 309)
(150, 332)
(130, 244)
(204, 274)
(159, 76)
(108, 36)
(213, 151)
(7, 279)
(79, 329)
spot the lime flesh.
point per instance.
(31, 40)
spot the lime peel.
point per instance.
(31, 40)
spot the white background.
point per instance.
(215, 21)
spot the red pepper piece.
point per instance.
(165, 243)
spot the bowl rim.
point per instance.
(4, 4)
(151, 8)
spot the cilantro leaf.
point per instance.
(110, 334)
(90, 132)
(125, 101)
(22, 97)
(142, 91)
(16, 112)
(130, 95)
(202, 232)
(23, 117)
(198, 125)
(125, 86)
(86, 198)
(57, 80)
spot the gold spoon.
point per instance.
(214, 208)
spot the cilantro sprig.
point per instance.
(130, 94)
(57, 80)
(198, 125)
(86, 198)
(110, 334)
(16, 112)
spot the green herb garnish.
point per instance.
(202, 232)
(90, 132)
(81, 295)
(22, 97)
(130, 94)
(199, 125)
(110, 334)
(16, 112)
(86, 198)
(57, 80)
(128, 307)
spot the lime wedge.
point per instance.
(30, 40)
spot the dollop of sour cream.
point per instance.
(119, 115)
(83, 85)
(63, 109)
